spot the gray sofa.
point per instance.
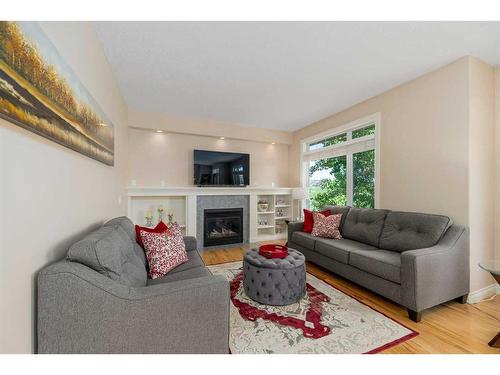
(417, 260)
(99, 300)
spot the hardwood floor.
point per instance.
(448, 328)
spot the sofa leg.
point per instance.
(414, 315)
(462, 299)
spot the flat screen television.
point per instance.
(214, 168)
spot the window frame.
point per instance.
(348, 128)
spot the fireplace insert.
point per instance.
(222, 226)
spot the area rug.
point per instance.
(326, 320)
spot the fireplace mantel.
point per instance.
(182, 200)
(149, 191)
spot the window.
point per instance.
(363, 179)
(328, 182)
(238, 178)
(340, 168)
(368, 130)
(328, 142)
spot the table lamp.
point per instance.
(299, 194)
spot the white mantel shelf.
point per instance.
(148, 191)
(183, 200)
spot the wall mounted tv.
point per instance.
(214, 168)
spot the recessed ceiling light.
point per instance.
(222, 138)
(159, 131)
(273, 143)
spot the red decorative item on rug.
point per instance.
(164, 251)
(326, 226)
(160, 228)
(309, 219)
(313, 314)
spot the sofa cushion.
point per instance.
(383, 263)
(410, 230)
(123, 222)
(339, 249)
(309, 219)
(139, 252)
(326, 226)
(164, 251)
(191, 273)
(128, 227)
(304, 239)
(160, 228)
(109, 251)
(194, 267)
(364, 225)
(339, 210)
(190, 243)
(194, 260)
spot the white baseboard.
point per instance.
(483, 293)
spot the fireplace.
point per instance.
(222, 226)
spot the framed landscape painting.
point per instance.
(40, 92)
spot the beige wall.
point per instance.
(149, 120)
(432, 160)
(481, 169)
(497, 163)
(169, 157)
(50, 196)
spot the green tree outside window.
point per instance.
(363, 178)
(330, 190)
(328, 181)
(363, 132)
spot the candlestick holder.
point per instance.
(149, 219)
(160, 213)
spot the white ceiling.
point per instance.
(279, 75)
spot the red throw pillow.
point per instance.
(164, 251)
(309, 219)
(160, 228)
(326, 226)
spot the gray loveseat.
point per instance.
(417, 260)
(99, 300)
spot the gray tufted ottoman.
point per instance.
(275, 282)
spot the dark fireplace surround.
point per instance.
(222, 226)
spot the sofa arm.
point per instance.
(294, 226)
(190, 243)
(437, 274)
(81, 314)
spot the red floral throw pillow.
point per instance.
(326, 226)
(164, 251)
(160, 228)
(309, 219)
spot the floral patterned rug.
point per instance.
(326, 321)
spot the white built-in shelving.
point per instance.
(271, 223)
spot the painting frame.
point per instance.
(40, 92)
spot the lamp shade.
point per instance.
(299, 193)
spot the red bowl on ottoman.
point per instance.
(273, 251)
